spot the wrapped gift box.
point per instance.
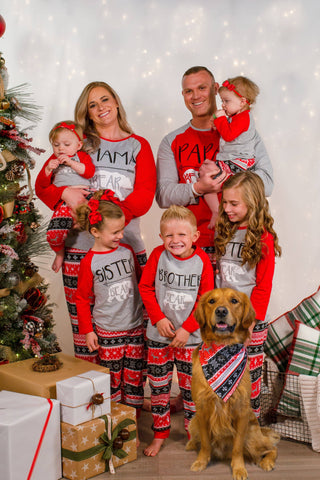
(86, 448)
(19, 376)
(30, 446)
(79, 395)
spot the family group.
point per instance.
(136, 315)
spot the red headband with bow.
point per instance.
(232, 88)
(68, 126)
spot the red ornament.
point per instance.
(1, 214)
(35, 298)
(21, 233)
(2, 26)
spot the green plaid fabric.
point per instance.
(305, 359)
(280, 330)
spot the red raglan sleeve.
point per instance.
(140, 200)
(229, 131)
(87, 161)
(48, 193)
(84, 294)
(206, 284)
(137, 266)
(147, 287)
(260, 295)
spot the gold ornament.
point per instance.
(4, 105)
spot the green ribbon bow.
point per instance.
(106, 445)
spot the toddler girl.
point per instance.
(67, 166)
(108, 273)
(246, 245)
(236, 127)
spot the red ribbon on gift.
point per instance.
(41, 439)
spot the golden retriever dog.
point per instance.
(227, 429)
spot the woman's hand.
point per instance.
(75, 195)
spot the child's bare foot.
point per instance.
(58, 261)
(153, 449)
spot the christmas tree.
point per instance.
(26, 321)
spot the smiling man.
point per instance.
(182, 151)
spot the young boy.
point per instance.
(175, 276)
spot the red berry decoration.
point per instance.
(2, 26)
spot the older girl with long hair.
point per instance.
(246, 246)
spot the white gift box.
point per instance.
(30, 444)
(75, 395)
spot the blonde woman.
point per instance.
(123, 163)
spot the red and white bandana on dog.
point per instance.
(223, 367)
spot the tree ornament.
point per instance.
(35, 298)
(2, 26)
(34, 226)
(13, 279)
(30, 269)
(19, 228)
(4, 104)
(10, 176)
(30, 327)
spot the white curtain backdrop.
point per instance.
(142, 48)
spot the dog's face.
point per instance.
(224, 316)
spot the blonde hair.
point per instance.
(106, 208)
(259, 219)
(246, 87)
(177, 212)
(58, 127)
(82, 116)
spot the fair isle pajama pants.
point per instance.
(255, 355)
(161, 360)
(123, 353)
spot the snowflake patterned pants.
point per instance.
(123, 353)
(255, 355)
(70, 272)
(59, 226)
(161, 360)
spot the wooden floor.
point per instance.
(295, 461)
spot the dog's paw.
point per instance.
(239, 473)
(199, 465)
(267, 464)
(191, 445)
